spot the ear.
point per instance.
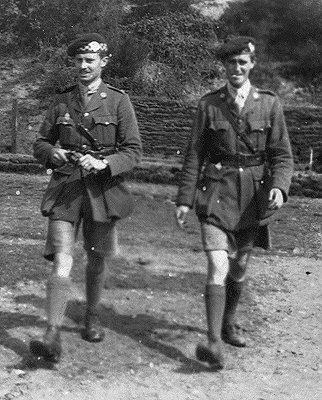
(104, 61)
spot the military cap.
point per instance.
(87, 43)
(236, 45)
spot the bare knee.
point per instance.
(218, 267)
(63, 263)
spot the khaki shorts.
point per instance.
(214, 238)
(98, 237)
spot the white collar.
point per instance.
(243, 91)
(92, 88)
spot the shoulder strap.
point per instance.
(80, 128)
(70, 108)
(241, 134)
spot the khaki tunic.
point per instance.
(111, 120)
(229, 197)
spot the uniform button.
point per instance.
(204, 188)
(86, 114)
(218, 201)
(106, 123)
(240, 169)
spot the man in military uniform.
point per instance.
(237, 172)
(89, 139)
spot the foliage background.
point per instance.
(168, 47)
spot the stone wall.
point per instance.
(165, 126)
(305, 129)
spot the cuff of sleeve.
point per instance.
(107, 169)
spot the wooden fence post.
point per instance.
(311, 159)
(14, 126)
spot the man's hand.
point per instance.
(275, 199)
(181, 215)
(90, 163)
(59, 156)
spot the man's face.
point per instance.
(238, 68)
(89, 67)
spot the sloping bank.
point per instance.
(304, 183)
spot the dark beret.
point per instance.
(87, 43)
(236, 45)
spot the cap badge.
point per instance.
(94, 47)
(103, 95)
(256, 96)
(251, 47)
(222, 96)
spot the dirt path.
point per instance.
(151, 335)
(153, 310)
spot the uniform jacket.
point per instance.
(226, 196)
(110, 117)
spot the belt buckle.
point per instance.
(241, 160)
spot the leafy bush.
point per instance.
(153, 56)
(33, 24)
(58, 72)
(166, 47)
(266, 77)
(130, 56)
(182, 47)
(287, 31)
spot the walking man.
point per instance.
(89, 139)
(237, 172)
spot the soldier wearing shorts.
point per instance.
(89, 139)
(237, 173)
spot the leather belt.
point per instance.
(239, 160)
(85, 149)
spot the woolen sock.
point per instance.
(234, 290)
(58, 292)
(95, 280)
(215, 305)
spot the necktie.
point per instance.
(239, 102)
(88, 93)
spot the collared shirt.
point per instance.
(87, 91)
(240, 95)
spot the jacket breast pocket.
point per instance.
(105, 127)
(221, 137)
(258, 134)
(67, 130)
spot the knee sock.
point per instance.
(233, 292)
(95, 279)
(215, 305)
(58, 292)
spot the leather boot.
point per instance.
(231, 332)
(93, 331)
(58, 289)
(50, 347)
(212, 352)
